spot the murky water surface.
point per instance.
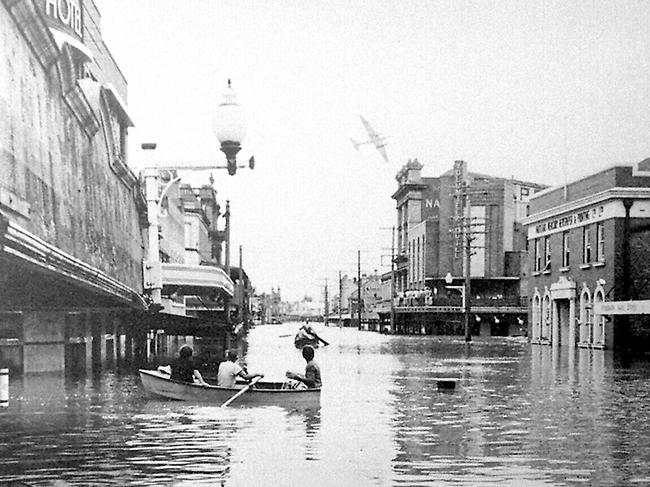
(520, 416)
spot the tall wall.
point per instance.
(62, 180)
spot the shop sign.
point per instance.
(64, 15)
(641, 307)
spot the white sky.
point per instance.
(542, 91)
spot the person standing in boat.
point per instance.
(229, 370)
(312, 371)
(183, 368)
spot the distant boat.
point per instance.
(159, 384)
(301, 342)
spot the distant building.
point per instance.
(430, 213)
(588, 251)
(275, 305)
(371, 301)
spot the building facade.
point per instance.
(433, 222)
(588, 245)
(72, 213)
(195, 281)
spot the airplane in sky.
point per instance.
(375, 138)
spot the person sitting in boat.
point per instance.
(229, 370)
(183, 369)
(306, 332)
(312, 371)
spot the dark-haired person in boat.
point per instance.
(312, 371)
(229, 370)
(183, 368)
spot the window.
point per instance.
(566, 250)
(538, 255)
(600, 242)
(188, 235)
(586, 244)
(418, 251)
(547, 253)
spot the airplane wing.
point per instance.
(382, 151)
(371, 132)
(375, 138)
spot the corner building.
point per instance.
(588, 244)
(429, 245)
(72, 213)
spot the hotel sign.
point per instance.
(641, 307)
(64, 16)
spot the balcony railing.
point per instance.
(487, 302)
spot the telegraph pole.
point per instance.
(226, 301)
(327, 305)
(242, 314)
(340, 300)
(359, 301)
(467, 230)
(392, 284)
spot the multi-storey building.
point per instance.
(195, 281)
(431, 215)
(588, 245)
(71, 211)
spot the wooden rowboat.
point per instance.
(159, 384)
(301, 342)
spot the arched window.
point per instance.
(546, 317)
(536, 331)
(585, 317)
(598, 337)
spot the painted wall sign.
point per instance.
(578, 218)
(64, 15)
(641, 307)
(431, 203)
(582, 216)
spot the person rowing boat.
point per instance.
(311, 378)
(229, 370)
(307, 335)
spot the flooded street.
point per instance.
(519, 415)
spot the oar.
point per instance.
(320, 339)
(240, 392)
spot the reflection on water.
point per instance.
(520, 415)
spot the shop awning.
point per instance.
(26, 249)
(196, 279)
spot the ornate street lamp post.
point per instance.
(229, 127)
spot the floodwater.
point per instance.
(519, 416)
